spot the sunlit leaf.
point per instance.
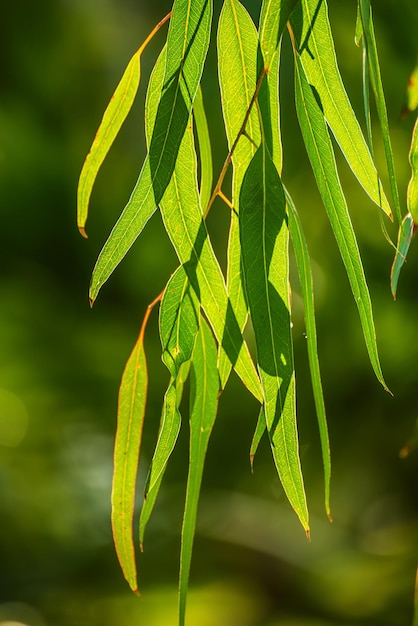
(182, 215)
(178, 329)
(204, 390)
(205, 149)
(273, 18)
(412, 191)
(321, 155)
(379, 96)
(264, 241)
(131, 412)
(187, 45)
(237, 68)
(260, 429)
(113, 118)
(412, 90)
(303, 262)
(406, 230)
(315, 46)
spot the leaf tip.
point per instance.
(82, 232)
(91, 302)
(252, 463)
(308, 533)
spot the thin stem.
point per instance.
(153, 32)
(148, 313)
(217, 188)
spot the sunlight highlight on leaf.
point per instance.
(205, 149)
(372, 59)
(237, 68)
(303, 262)
(319, 148)
(264, 241)
(187, 44)
(131, 412)
(113, 118)
(178, 329)
(315, 48)
(412, 191)
(406, 230)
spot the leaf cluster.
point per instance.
(203, 313)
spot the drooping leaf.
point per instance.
(412, 191)
(187, 45)
(237, 68)
(379, 96)
(178, 321)
(182, 215)
(315, 48)
(178, 329)
(204, 390)
(260, 429)
(131, 412)
(273, 18)
(321, 155)
(113, 118)
(303, 262)
(406, 230)
(205, 149)
(264, 242)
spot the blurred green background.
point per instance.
(60, 362)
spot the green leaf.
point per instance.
(321, 155)
(182, 215)
(273, 19)
(204, 392)
(264, 242)
(205, 149)
(116, 112)
(379, 96)
(237, 68)
(303, 262)
(412, 90)
(187, 45)
(178, 329)
(167, 437)
(178, 321)
(406, 230)
(315, 46)
(131, 412)
(113, 118)
(260, 429)
(412, 191)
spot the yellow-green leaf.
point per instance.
(264, 243)
(131, 412)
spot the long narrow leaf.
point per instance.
(178, 329)
(317, 54)
(303, 262)
(203, 408)
(321, 155)
(182, 215)
(379, 96)
(264, 242)
(205, 149)
(113, 118)
(412, 191)
(260, 429)
(237, 68)
(131, 412)
(187, 45)
(406, 230)
(273, 18)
